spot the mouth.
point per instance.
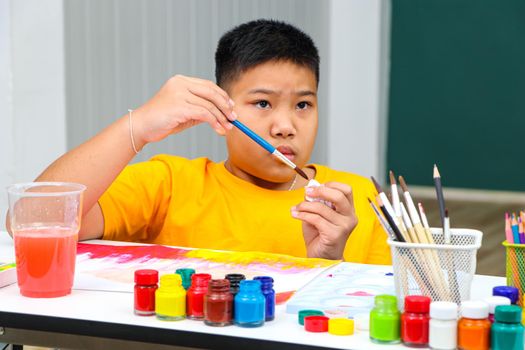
(287, 151)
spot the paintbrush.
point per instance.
(267, 146)
(390, 219)
(439, 194)
(385, 201)
(395, 194)
(450, 264)
(386, 226)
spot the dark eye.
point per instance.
(303, 105)
(262, 104)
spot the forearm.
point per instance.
(95, 163)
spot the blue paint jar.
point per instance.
(508, 292)
(249, 305)
(269, 295)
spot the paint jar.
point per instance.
(235, 279)
(385, 320)
(218, 303)
(170, 298)
(249, 305)
(443, 325)
(507, 291)
(195, 296)
(507, 331)
(304, 313)
(414, 321)
(362, 322)
(493, 302)
(185, 274)
(145, 286)
(474, 326)
(316, 324)
(269, 295)
(341, 326)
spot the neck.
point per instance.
(277, 186)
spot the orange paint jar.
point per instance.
(474, 326)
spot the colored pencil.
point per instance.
(520, 231)
(508, 230)
(439, 194)
(515, 229)
(450, 264)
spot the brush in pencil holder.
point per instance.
(440, 271)
(515, 267)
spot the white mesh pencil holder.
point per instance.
(440, 271)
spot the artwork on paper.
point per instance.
(346, 287)
(111, 267)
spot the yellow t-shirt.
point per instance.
(198, 203)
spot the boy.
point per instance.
(267, 76)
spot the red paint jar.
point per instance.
(218, 303)
(145, 287)
(415, 321)
(195, 296)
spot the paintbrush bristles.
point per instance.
(403, 184)
(302, 173)
(392, 178)
(376, 184)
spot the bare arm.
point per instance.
(181, 103)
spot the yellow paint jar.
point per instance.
(170, 298)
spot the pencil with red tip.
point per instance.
(508, 230)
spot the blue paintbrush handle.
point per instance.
(254, 136)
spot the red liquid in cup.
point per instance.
(45, 259)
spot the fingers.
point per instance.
(214, 94)
(196, 113)
(338, 193)
(315, 220)
(321, 211)
(216, 116)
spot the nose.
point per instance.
(283, 126)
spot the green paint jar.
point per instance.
(385, 320)
(507, 331)
(185, 275)
(304, 313)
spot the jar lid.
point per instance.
(444, 310)
(508, 314)
(316, 323)
(417, 304)
(341, 326)
(507, 291)
(303, 313)
(266, 281)
(495, 301)
(475, 309)
(146, 276)
(185, 274)
(170, 280)
(362, 321)
(200, 279)
(385, 300)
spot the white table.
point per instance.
(105, 320)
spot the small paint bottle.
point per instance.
(507, 331)
(235, 279)
(170, 298)
(218, 303)
(443, 325)
(269, 295)
(415, 320)
(249, 305)
(185, 274)
(385, 320)
(507, 291)
(195, 296)
(307, 312)
(474, 326)
(493, 302)
(144, 293)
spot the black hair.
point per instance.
(260, 41)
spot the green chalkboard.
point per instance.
(457, 92)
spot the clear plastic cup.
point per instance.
(45, 220)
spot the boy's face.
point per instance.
(278, 101)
